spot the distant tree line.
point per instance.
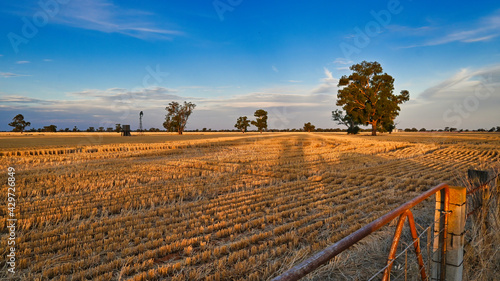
(365, 96)
(242, 125)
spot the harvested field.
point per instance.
(214, 206)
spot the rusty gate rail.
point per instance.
(322, 257)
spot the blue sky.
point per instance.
(99, 62)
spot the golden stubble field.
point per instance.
(212, 206)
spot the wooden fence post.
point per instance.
(449, 265)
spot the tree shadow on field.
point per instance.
(364, 186)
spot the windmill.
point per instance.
(140, 121)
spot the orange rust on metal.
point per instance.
(483, 185)
(479, 188)
(325, 255)
(394, 245)
(472, 212)
(395, 242)
(444, 233)
(416, 245)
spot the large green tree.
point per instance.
(242, 124)
(177, 116)
(19, 123)
(261, 120)
(367, 95)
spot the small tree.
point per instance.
(118, 128)
(346, 120)
(389, 126)
(177, 116)
(19, 124)
(75, 129)
(308, 127)
(242, 124)
(366, 95)
(50, 128)
(261, 120)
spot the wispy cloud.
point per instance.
(295, 81)
(328, 84)
(13, 99)
(479, 39)
(9, 74)
(446, 85)
(104, 16)
(288, 106)
(275, 69)
(119, 96)
(266, 98)
(411, 31)
(342, 61)
(466, 99)
(483, 29)
(22, 62)
(462, 83)
(47, 60)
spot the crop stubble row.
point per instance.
(236, 209)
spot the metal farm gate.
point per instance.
(445, 235)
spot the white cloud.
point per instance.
(484, 29)
(10, 74)
(268, 98)
(20, 99)
(467, 99)
(105, 16)
(22, 62)
(119, 96)
(480, 39)
(328, 74)
(295, 81)
(274, 68)
(461, 84)
(342, 61)
(47, 60)
(288, 107)
(328, 85)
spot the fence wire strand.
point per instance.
(470, 194)
(411, 245)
